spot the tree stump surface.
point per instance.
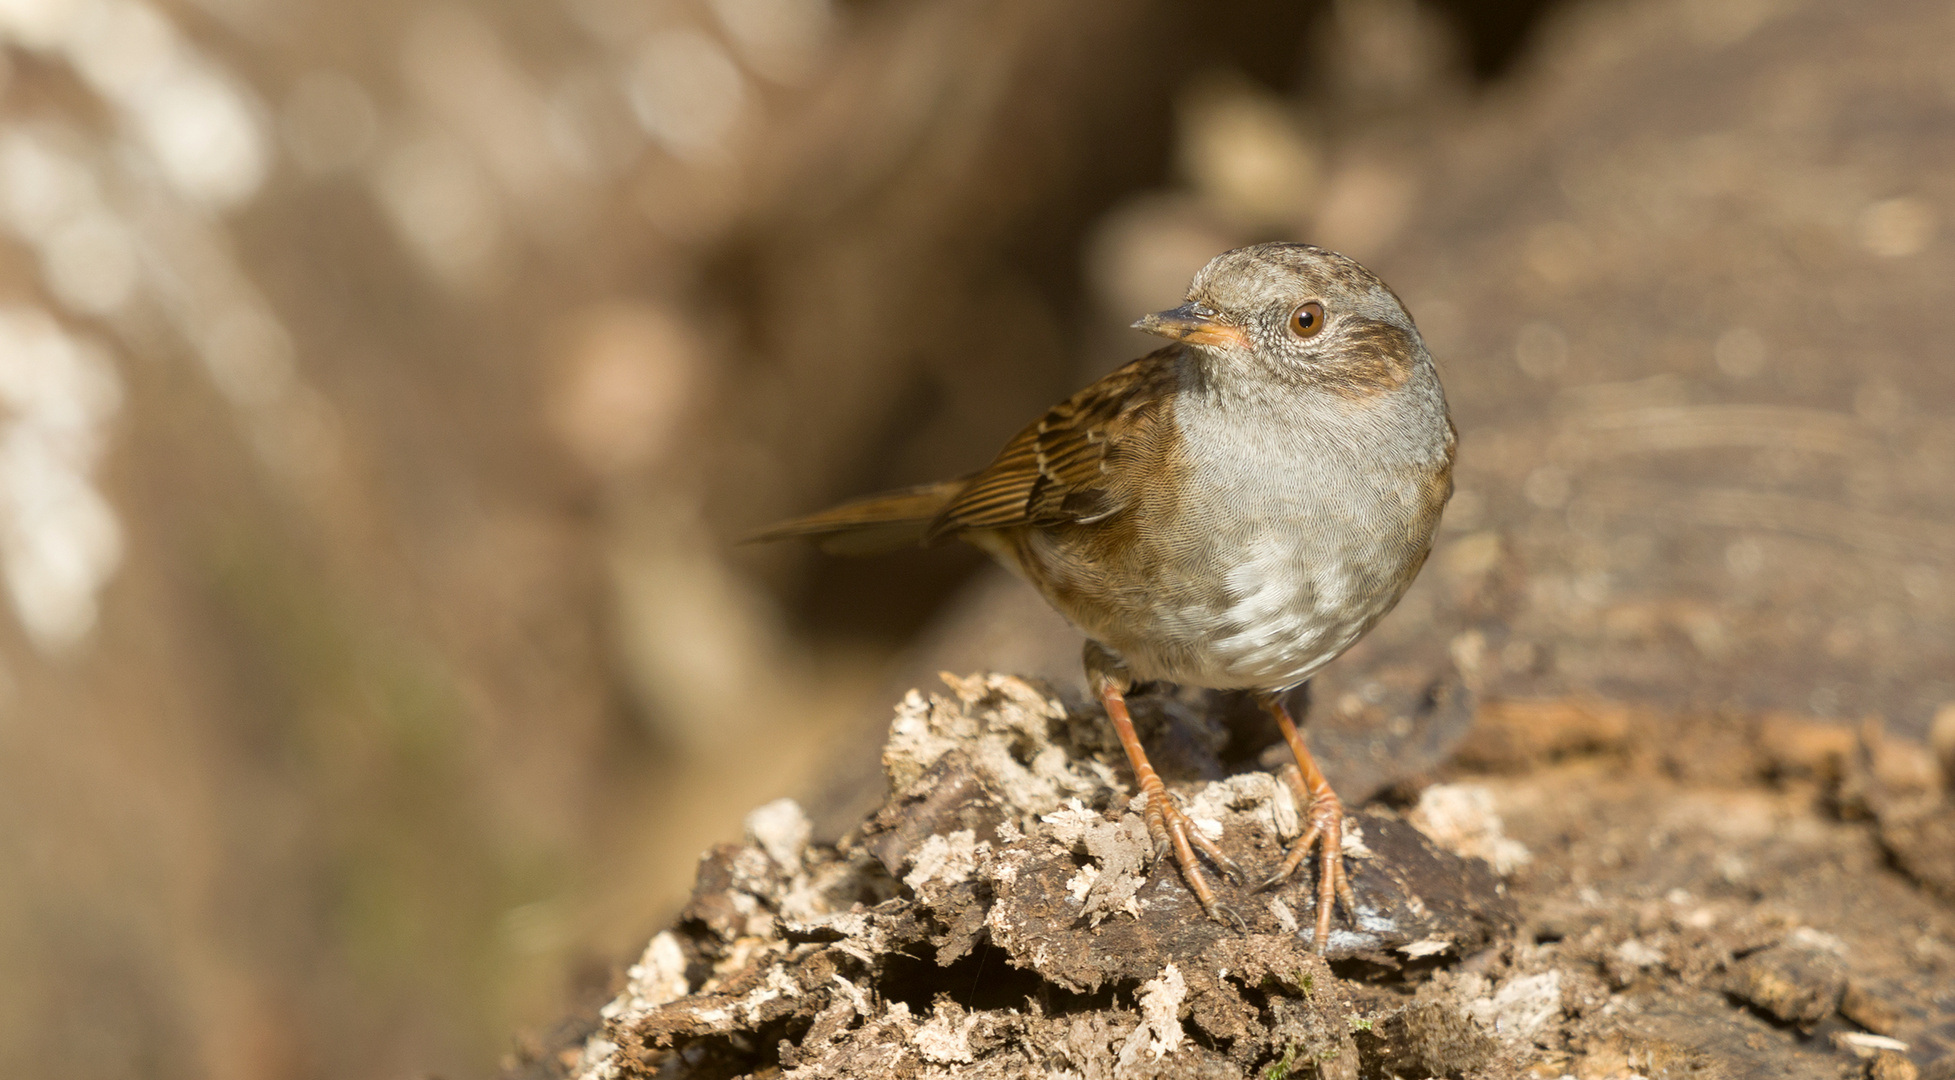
(1583, 893)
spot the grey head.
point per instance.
(1299, 314)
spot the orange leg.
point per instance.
(1169, 827)
(1324, 829)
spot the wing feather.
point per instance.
(1057, 470)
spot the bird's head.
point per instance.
(1298, 313)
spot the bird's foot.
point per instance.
(1324, 831)
(1173, 831)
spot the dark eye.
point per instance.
(1307, 319)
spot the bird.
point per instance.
(1231, 511)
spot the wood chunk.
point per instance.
(1431, 1037)
(1798, 746)
(1797, 984)
(1693, 1033)
(1924, 846)
(1511, 735)
(1873, 1005)
(1889, 1065)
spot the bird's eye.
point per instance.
(1307, 319)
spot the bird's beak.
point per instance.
(1194, 323)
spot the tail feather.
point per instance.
(872, 524)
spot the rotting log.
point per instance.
(1001, 915)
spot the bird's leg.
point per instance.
(1324, 827)
(1166, 823)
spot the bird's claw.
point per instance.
(1173, 832)
(1325, 834)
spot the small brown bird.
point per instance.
(1231, 511)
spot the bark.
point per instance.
(1602, 914)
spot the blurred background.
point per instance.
(384, 388)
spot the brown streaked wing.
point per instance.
(1056, 469)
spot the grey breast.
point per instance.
(1294, 532)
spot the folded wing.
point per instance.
(1055, 471)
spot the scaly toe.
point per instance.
(1166, 819)
(1298, 852)
(1222, 862)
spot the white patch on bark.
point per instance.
(1159, 1032)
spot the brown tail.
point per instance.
(874, 523)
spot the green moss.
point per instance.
(1298, 982)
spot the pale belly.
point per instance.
(1272, 623)
(1262, 606)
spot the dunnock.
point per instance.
(1231, 511)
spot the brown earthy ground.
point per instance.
(1588, 891)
